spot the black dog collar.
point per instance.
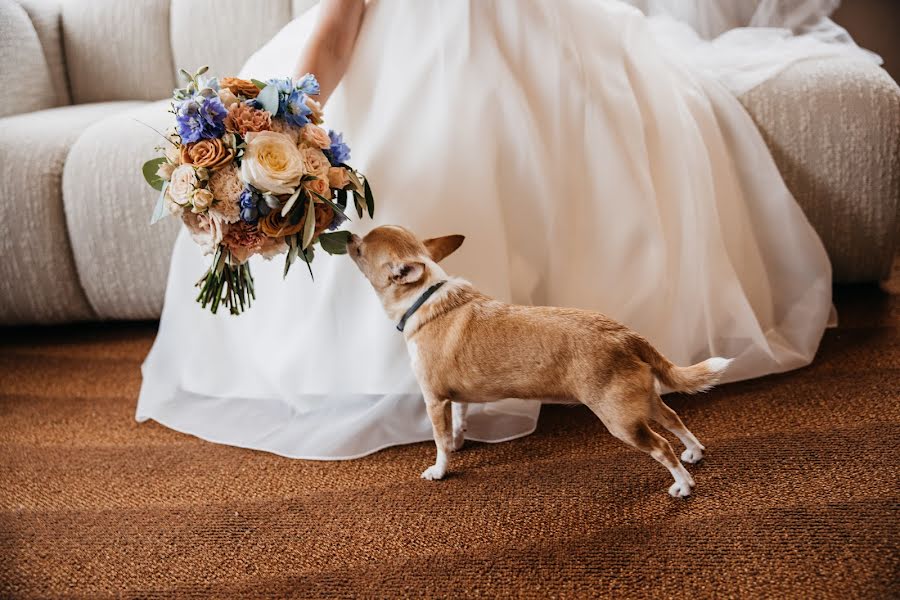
(418, 304)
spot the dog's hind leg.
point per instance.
(442, 425)
(669, 419)
(459, 424)
(623, 406)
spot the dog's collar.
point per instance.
(418, 304)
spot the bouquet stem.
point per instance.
(228, 283)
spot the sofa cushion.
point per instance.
(833, 127)
(38, 279)
(233, 30)
(25, 78)
(46, 16)
(121, 259)
(118, 50)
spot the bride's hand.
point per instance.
(330, 46)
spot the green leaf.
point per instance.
(268, 98)
(342, 199)
(335, 242)
(160, 210)
(331, 204)
(308, 256)
(370, 200)
(258, 83)
(357, 186)
(149, 170)
(360, 204)
(290, 203)
(309, 225)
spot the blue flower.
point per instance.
(200, 117)
(308, 84)
(284, 85)
(253, 205)
(294, 109)
(337, 221)
(339, 152)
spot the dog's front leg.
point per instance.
(442, 424)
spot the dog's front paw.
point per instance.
(692, 455)
(680, 489)
(433, 472)
(459, 438)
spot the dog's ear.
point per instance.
(442, 247)
(407, 272)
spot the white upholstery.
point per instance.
(38, 280)
(25, 78)
(122, 261)
(239, 27)
(46, 16)
(834, 129)
(118, 50)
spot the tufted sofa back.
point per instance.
(102, 50)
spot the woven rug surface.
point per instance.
(798, 496)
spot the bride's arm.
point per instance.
(328, 50)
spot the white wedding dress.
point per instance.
(591, 156)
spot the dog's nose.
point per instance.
(353, 243)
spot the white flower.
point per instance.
(272, 163)
(183, 184)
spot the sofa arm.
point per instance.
(833, 127)
(25, 77)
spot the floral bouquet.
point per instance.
(249, 170)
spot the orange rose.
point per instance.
(274, 225)
(240, 87)
(319, 186)
(324, 216)
(210, 153)
(243, 119)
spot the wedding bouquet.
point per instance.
(249, 170)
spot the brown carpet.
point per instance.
(798, 496)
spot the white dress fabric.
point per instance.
(586, 167)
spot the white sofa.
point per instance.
(83, 77)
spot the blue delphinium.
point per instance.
(339, 152)
(253, 206)
(308, 84)
(294, 109)
(337, 221)
(200, 117)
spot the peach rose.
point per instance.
(315, 136)
(315, 163)
(319, 186)
(165, 171)
(228, 98)
(206, 230)
(338, 178)
(282, 126)
(272, 163)
(239, 86)
(209, 153)
(202, 200)
(243, 118)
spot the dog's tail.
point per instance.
(693, 379)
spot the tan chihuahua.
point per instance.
(467, 347)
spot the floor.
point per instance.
(798, 495)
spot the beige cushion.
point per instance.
(38, 280)
(231, 31)
(122, 260)
(833, 127)
(24, 77)
(118, 50)
(46, 17)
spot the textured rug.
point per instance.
(798, 496)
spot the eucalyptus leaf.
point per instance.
(149, 170)
(335, 242)
(268, 98)
(360, 204)
(258, 83)
(309, 226)
(160, 210)
(357, 186)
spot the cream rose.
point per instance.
(315, 136)
(202, 200)
(183, 184)
(315, 163)
(338, 178)
(272, 163)
(165, 171)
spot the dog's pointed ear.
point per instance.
(442, 247)
(407, 272)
